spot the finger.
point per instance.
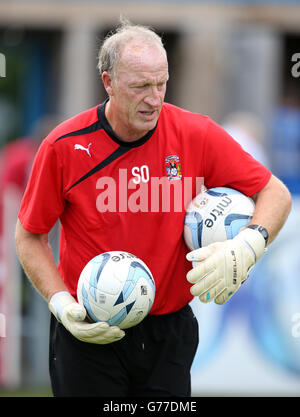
(201, 270)
(99, 329)
(91, 329)
(102, 341)
(110, 337)
(224, 296)
(198, 255)
(210, 294)
(205, 285)
(115, 333)
(202, 254)
(99, 340)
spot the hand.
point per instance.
(72, 315)
(224, 266)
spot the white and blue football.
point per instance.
(215, 215)
(116, 287)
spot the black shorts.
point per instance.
(153, 359)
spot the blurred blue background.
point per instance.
(236, 61)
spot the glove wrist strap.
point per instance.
(262, 230)
(59, 301)
(253, 239)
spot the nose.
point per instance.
(153, 99)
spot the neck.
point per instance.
(120, 129)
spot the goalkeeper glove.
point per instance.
(223, 266)
(72, 314)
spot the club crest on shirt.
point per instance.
(202, 203)
(173, 167)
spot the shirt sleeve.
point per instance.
(227, 164)
(42, 202)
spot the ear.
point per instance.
(108, 83)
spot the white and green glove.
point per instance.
(72, 315)
(223, 266)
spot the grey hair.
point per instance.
(110, 51)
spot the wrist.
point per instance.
(59, 301)
(262, 230)
(254, 240)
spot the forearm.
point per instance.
(272, 207)
(38, 262)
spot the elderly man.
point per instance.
(135, 132)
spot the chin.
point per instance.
(149, 125)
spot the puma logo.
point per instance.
(82, 148)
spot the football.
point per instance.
(116, 287)
(216, 215)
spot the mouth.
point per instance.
(148, 114)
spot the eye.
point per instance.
(141, 86)
(161, 85)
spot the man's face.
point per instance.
(137, 93)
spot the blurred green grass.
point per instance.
(43, 392)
